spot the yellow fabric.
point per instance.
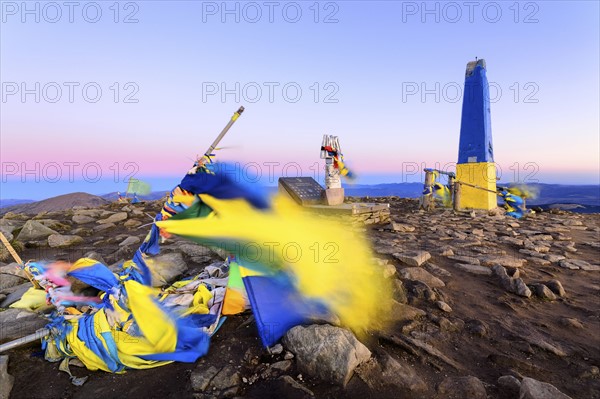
(482, 174)
(32, 299)
(330, 261)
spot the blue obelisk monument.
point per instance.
(475, 151)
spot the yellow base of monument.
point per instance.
(482, 174)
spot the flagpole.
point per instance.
(212, 147)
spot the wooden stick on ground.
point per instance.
(17, 258)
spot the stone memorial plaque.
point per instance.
(304, 190)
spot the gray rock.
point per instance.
(276, 369)
(534, 389)
(437, 270)
(419, 274)
(399, 291)
(82, 219)
(6, 380)
(574, 264)
(462, 387)
(553, 257)
(132, 223)
(443, 306)
(194, 250)
(276, 349)
(17, 323)
(399, 227)
(326, 352)
(509, 384)
(303, 391)
(389, 270)
(571, 322)
(95, 256)
(388, 372)
(105, 226)
(227, 382)
(474, 269)
(403, 312)
(513, 285)
(506, 261)
(14, 269)
(202, 376)
(413, 259)
(10, 280)
(466, 259)
(13, 294)
(556, 287)
(543, 292)
(114, 218)
(63, 241)
(166, 268)
(131, 240)
(34, 231)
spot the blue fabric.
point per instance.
(220, 185)
(476, 125)
(86, 333)
(278, 306)
(96, 275)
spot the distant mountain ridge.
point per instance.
(59, 203)
(549, 194)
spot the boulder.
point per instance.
(534, 389)
(82, 219)
(34, 231)
(416, 258)
(511, 284)
(17, 323)
(63, 241)
(543, 292)
(6, 380)
(419, 274)
(114, 218)
(462, 387)
(327, 352)
(474, 269)
(10, 280)
(166, 268)
(131, 240)
(509, 384)
(403, 312)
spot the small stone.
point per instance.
(413, 259)
(510, 385)
(543, 292)
(533, 389)
(466, 259)
(288, 355)
(474, 269)
(129, 241)
(556, 287)
(554, 258)
(462, 387)
(63, 241)
(114, 218)
(132, 223)
(419, 274)
(82, 219)
(443, 306)
(571, 322)
(276, 349)
(6, 380)
(574, 264)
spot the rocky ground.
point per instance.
(486, 306)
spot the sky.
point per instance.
(96, 92)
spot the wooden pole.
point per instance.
(17, 259)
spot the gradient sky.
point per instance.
(363, 58)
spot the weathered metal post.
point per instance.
(457, 194)
(428, 202)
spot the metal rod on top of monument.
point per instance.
(236, 115)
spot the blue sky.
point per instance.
(385, 76)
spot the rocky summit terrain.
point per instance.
(486, 306)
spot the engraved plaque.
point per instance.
(304, 190)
